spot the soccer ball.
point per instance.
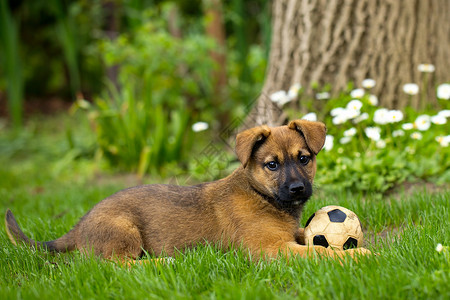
(334, 226)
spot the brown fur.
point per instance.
(255, 207)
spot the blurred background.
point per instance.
(144, 70)
(59, 51)
(162, 87)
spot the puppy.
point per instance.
(258, 206)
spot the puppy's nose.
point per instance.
(297, 188)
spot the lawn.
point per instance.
(49, 184)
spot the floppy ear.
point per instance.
(246, 141)
(314, 133)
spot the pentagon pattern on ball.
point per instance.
(350, 243)
(320, 240)
(337, 215)
(309, 220)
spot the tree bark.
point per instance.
(340, 41)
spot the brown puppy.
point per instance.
(258, 206)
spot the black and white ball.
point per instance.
(334, 226)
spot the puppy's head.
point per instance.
(280, 162)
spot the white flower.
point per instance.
(200, 126)
(423, 122)
(337, 111)
(339, 119)
(350, 132)
(410, 150)
(277, 96)
(373, 100)
(384, 116)
(368, 83)
(328, 143)
(381, 144)
(293, 91)
(443, 91)
(361, 117)
(351, 113)
(342, 115)
(444, 113)
(345, 140)
(323, 96)
(280, 98)
(357, 93)
(408, 126)
(411, 88)
(398, 132)
(439, 247)
(395, 116)
(354, 105)
(373, 133)
(82, 103)
(438, 120)
(416, 135)
(310, 117)
(426, 68)
(444, 141)
(381, 116)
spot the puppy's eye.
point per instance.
(272, 165)
(304, 160)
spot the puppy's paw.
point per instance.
(358, 251)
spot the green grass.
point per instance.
(49, 192)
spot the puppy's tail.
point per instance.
(63, 244)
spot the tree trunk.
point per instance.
(215, 29)
(111, 10)
(340, 41)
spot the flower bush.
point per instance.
(372, 149)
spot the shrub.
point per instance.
(372, 149)
(164, 82)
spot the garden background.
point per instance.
(96, 96)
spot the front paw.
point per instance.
(358, 251)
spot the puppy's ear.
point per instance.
(314, 133)
(246, 141)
